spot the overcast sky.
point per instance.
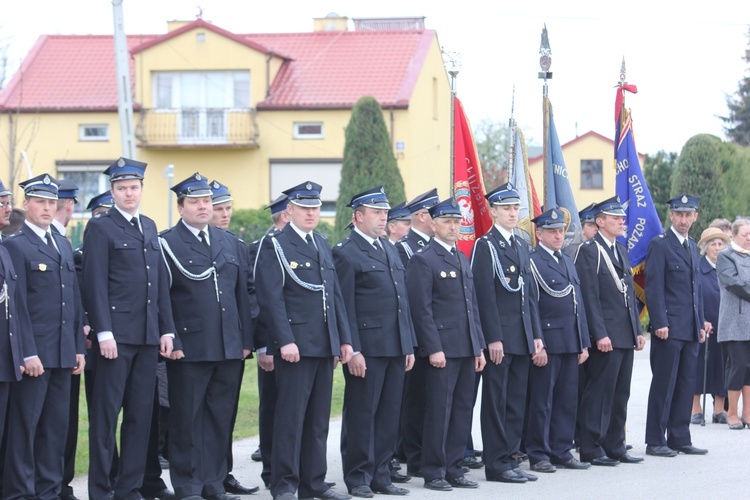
(684, 59)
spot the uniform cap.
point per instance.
(610, 206)
(101, 200)
(684, 203)
(219, 193)
(551, 219)
(424, 200)
(399, 212)
(195, 186)
(41, 186)
(124, 169)
(446, 209)
(504, 195)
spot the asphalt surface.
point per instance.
(723, 471)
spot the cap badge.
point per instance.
(46, 179)
(216, 185)
(684, 199)
(308, 186)
(554, 215)
(382, 189)
(120, 162)
(453, 203)
(198, 177)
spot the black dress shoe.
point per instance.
(604, 461)
(627, 458)
(462, 482)
(256, 457)
(543, 466)
(696, 418)
(573, 464)
(660, 451)
(361, 491)
(329, 494)
(222, 496)
(392, 490)
(165, 494)
(691, 450)
(414, 472)
(507, 476)
(330, 484)
(286, 496)
(719, 418)
(394, 464)
(233, 486)
(628, 447)
(438, 485)
(397, 477)
(521, 457)
(471, 462)
(520, 472)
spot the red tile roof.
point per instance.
(322, 70)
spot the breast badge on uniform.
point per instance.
(453, 274)
(293, 265)
(442, 274)
(42, 267)
(307, 264)
(512, 269)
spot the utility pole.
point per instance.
(124, 92)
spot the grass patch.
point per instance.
(247, 414)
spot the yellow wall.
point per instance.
(590, 147)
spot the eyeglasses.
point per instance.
(6, 204)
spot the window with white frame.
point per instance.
(328, 174)
(94, 132)
(202, 100)
(308, 130)
(89, 179)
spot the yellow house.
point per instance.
(258, 112)
(589, 159)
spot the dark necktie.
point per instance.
(309, 240)
(614, 253)
(510, 241)
(379, 247)
(134, 221)
(559, 257)
(685, 246)
(50, 243)
(202, 235)
(455, 254)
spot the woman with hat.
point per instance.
(713, 240)
(733, 270)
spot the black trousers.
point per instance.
(201, 400)
(230, 457)
(670, 398)
(604, 404)
(412, 416)
(300, 430)
(126, 382)
(39, 409)
(447, 420)
(372, 407)
(503, 409)
(266, 409)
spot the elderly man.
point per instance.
(675, 303)
(6, 207)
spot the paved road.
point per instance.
(723, 471)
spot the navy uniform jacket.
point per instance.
(51, 297)
(443, 303)
(606, 310)
(374, 290)
(260, 338)
(498, 307)
(673, 287)
(16, 326)
(293, 313)
(213, 326)
(565, 331)
(413, 242)
(126, 289)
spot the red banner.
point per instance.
(468, 187)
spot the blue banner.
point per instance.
(559, 192)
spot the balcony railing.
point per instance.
(197, 127)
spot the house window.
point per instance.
(591, 174)
(90, 181)
(93, 132)
(203, 101)
(307, 130)
(328, 174)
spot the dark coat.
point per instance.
(51, 297)
(16, 326)
(512, 318)
(293, 313)
(212, 327)
(374, 290)
(673, 287)
(563, 321)
(443, 303)
(126, 287)
(609, 313)
(409, 245)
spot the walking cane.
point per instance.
(705, 376)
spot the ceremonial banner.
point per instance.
(641, 218)
(559, 192)
(521, 180)
(468, 187)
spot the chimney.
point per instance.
(332, 22)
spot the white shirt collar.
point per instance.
(37, 230)
(196, 231)
(444, 244)
(59, 226)
(680, 237)
(549, 250)
(300, 232)
(367, 238)
(128, 216)
(421, 234)
(607, 240)
(506, 234)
